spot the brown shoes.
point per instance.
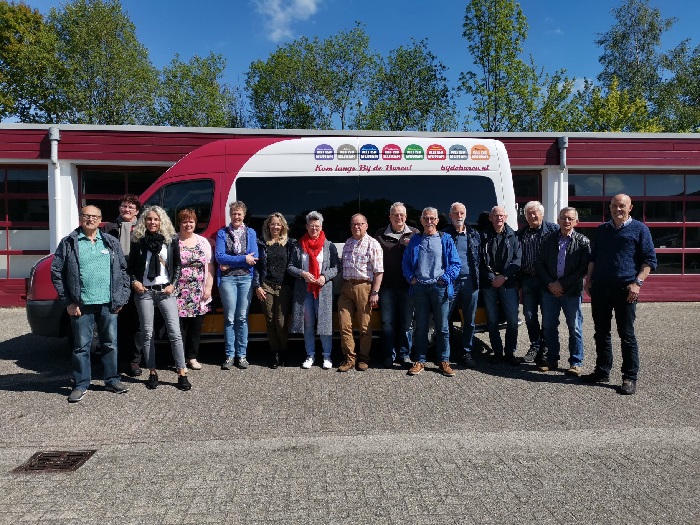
(362, 366)
(346, 365)
(548, 366)
(446, 369)
(416, 369)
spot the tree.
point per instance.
(191, 94)
(409, 91)
(678, 98)
(108, 77)
(632, 49)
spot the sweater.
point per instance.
(619, 253)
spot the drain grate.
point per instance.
(56, 461)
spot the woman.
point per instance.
(154, 266)
(194, 285)
(314, 264)
(273, 285)
(236, 253)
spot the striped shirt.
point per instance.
(362, 258)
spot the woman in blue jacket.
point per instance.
(236, 254)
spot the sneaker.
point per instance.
(596, 377)
(183, 383)
(194, 364)
(117, 388)
(548, 366)
(531, 354)
(407, 361)
(629, 387)
(327, 364)
(416, 369)
(362, 366)
(134, 370)
(308, 362)
(346, 365)
(242, 363)
(228, 364)
(446, 369)
(76, 395)
(574, 370)
(468, 360)
(274, 361)
(152, 381)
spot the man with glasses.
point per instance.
(128, 320)
(430, 265)
(363, 268)
(89, 274)
(561, 267)
(500, 264)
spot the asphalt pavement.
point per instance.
(494, 445)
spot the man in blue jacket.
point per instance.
(500, 264)
(621, 258)
(89, 274)
(430, 264)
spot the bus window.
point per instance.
(196, 195)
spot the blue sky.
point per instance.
(561, 33)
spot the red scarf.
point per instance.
(313, 247)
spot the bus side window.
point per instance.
(197, 195)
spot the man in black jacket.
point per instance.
(561, 267)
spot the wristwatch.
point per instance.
(374, 293)
(638, 281)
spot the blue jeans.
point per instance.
(532, 300)
(146, 304)
(235, 292)
(466, 298)
(433, 297)
(508, 298)
(604, 301)
(551, 306)
(310, 316)
(396, 306)
(83, 328)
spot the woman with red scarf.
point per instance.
(314, 264)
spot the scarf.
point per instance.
(236, 234)
(313, 247)
(154, 243)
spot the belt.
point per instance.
(157, 287)
(358, 281)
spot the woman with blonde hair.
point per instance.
(273, 285)
(154, 267)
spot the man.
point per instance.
(128, 319)
(561, 267)
(430, 265)
(621, 258)
(395, 303)
(531, 237)
(500, 264)
(363, 266)
(89, 274)
(466, 286)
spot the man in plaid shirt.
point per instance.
(363, 267)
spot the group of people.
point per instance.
(411, 276)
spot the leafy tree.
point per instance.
(409, 91)
(108, 77)
(678, 98)
(632, 48)
(191, 94)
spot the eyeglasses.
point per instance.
(127, 207)
(429, 219)
(570, 219)
(355, 224)
(499, 216)
(89, 217)
(313, 227)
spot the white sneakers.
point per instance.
(327, 365)
(308, 362)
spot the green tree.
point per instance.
(678, 98)
(108, 77)
(191, 94)
(409, 92)
(632, 48)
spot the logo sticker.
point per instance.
(458, 152)
(324, 152)
(480, 152)
(347, 152)
(413, 152)
(436, 152)
(369, 152)
(391, 152)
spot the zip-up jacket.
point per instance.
(510, 262)
(578, 253)
(474, 245)
(450, 260)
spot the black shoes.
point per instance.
(468, 360)
(512, 360)
(117, 388)
(596, 377)
(152, 382)
(629, 387)
(134, 370)
(183, 383)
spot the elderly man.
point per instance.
(531, 238)
(561, 267)
(128, 318)
(466, 286)
(500, 264)
(430, 265)
(363, 266)
(621, 258)
(89, 274)
(395, 303)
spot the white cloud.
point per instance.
(280, 15)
